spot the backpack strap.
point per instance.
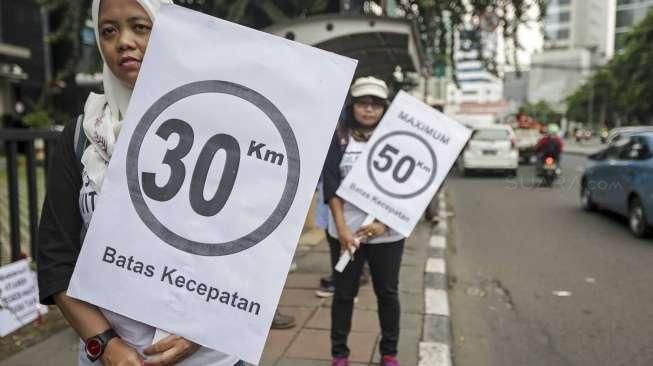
(80, 141)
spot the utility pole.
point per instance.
(47, 50)
(426, 88)
(590, 108)
(590, 83)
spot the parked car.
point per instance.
(527, 138)
(491, 148)
(620, 179)
(620, 132)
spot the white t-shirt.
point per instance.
(134, 333)
(354, 216)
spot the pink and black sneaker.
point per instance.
(340, 361)
(388, 360)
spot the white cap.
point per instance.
(369, 86)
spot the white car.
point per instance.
(491, 148)
(527, 139)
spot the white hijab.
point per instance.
(103, 113)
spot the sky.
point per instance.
(531, 39)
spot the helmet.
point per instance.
(552, 129)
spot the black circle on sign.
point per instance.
(406, 195)
(292, 176)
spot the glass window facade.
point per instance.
(557, 34)
(557, 22)
(629, 13)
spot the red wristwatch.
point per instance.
(95, 345)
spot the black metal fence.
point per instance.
(26, 152)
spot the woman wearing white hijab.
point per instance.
(122, 29)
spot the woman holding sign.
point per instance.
(122, 30)
(382, 247)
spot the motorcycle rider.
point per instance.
(549, 146)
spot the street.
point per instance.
(536, 281)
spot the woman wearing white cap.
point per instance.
(382, 247)
(122, 29)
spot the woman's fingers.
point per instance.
(117, 353)
(180, 350)
(349, 246)
(162, 359)
(367, 231)
(162, 345)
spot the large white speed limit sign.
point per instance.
(211, 179)
(407, 159)
(157, 173)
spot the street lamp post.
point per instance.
(590, 105)
(590, 83)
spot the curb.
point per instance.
(435, 346)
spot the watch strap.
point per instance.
(107, 335)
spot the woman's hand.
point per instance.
(372, 230)
(118, 353)
(169, 351)
(347, 240)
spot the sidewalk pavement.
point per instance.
(308, 342)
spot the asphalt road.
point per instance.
(518, 249)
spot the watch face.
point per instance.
(93, 347)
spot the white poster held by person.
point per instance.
(211, 179)
(19, 297)
(408, 157)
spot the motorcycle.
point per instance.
(550, 171)
(604, 136)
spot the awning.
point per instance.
(380, 44)
(15, 51)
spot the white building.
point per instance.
(475, 83)
(629, 13)
(556, 73)
(478, 97)
(515, 88)
(578, 37)
(581, 24)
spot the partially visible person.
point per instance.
(327, 285)
(282, 321)
(322, 213)
(122, 30)
(381, 247)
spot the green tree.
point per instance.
(594, 100)
(621, 90)
(67, 19)
(438, 21)
(260, 13)
(541, 111)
